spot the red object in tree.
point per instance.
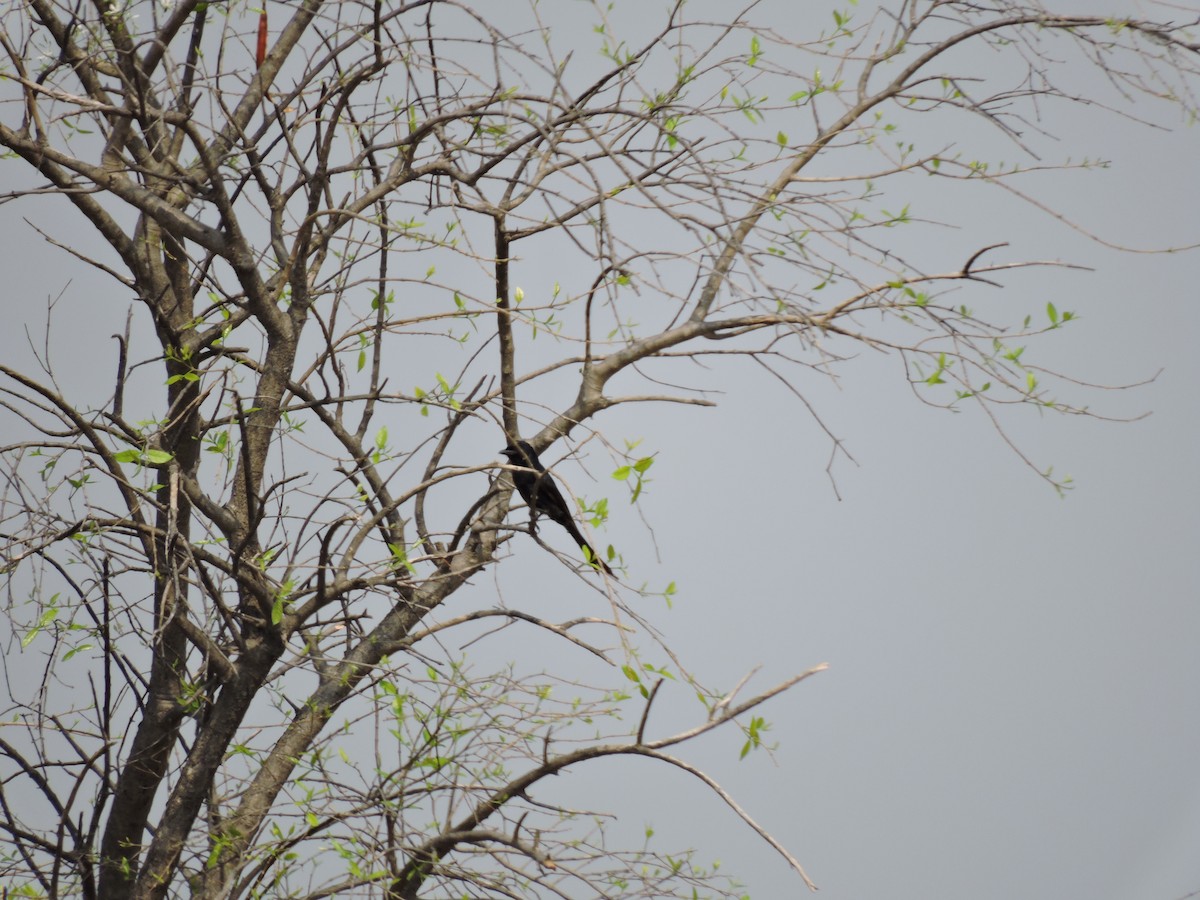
(262, 38)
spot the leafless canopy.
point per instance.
(229, 669)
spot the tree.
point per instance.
(229, 569)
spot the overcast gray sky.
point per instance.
(1011, 704)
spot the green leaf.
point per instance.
(1052, 313)
(47, 617)
(400, 558)
(143, 457)
(80, 649)
(285, 591)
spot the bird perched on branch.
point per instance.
(538, 489)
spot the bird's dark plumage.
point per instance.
(538, 489)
